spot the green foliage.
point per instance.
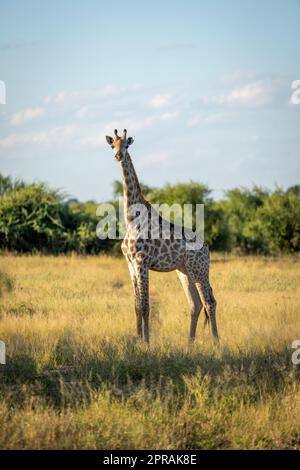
(36, 218)
(181, 193)
(280, 221)
(264, 222)
(7, 184)
(241, 207)
(217, 232)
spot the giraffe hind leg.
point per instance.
(194, 300)
(197, 267)
(210, 304)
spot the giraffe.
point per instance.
(157, 252)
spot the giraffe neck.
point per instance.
(131, 187)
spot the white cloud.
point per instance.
(85, 113)
(170, 115)
(158, 101)
(253, 94)
(238, 77)
(151, 121)
(81, 133)
(60, 97)
(74, 113)
(54, 136)
(152, 159)
(95, 136)
(107, 91)
(26, 115)
(210, 118)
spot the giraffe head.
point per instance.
(120, 144)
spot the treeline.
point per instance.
(34, 218)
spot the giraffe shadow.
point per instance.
(155, 321)
(20, 368)
(127, 368)
(130, 367)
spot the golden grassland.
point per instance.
(76, 377)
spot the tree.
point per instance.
(280, 221)
(8, 184)
(35, 218)
(241, 206)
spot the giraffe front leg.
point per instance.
(139, 321)
(142, 276)
(138, 312)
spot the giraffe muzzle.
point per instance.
(119, 156)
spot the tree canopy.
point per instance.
(34, 217)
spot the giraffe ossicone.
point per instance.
(157, 252)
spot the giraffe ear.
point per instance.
(109, 140)
(130, 140)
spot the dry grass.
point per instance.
(77, 378)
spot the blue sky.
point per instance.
(204, 86)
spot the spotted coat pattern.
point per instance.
(157, 253)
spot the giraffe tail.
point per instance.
(206, 319)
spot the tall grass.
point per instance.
(76, 377)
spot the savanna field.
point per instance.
(77, 378)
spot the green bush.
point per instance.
(36, 218)
(280, 221)
(241, 206)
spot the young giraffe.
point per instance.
(158, 253)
